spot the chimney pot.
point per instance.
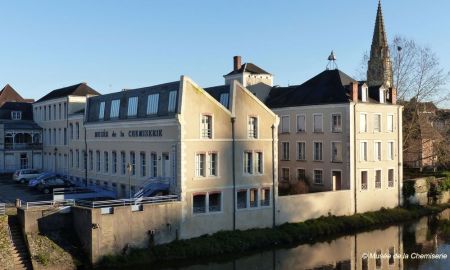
(236, 62)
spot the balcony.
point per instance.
(23, 146)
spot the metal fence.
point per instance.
(2, 209)
(123, 202)
(53, 203)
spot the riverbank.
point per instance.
(235, 242)
(6, 248)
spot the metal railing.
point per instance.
(21, 146)
(53, 203)
(123, 202)
(2, 209)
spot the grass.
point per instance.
(6, 248)
(237, 242)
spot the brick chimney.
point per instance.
(354, 91)
(236, 62)
(393, 95)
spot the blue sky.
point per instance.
(113, 45)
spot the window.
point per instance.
(16, 115)
(200, 165)
(378, 179)
(336, 152)
(133, 163)
(65, 110)
(253, 127)
(285, 174)
(259, 162)
(377, 151)
(265, 196)
(152, 104)
(224, 99)
(123, 161)
(212, 164)
(364, 94)
(318, 151)
(377, 122)
(248, 162)
(318, 123)
(91, 161)
(49, 112)
(336, 123)
(390, 123)
(71, 130)
(106, 161)
(132, 106)
(84, 160)
(285, 124)
(65, 136)
(206, 127)
(301, 151)
(59, 110)
(364, 180)
(390, 150)
(301, 174)
(97, 159)
(241, 199)
(391, 255)
(285, 148)
(363, 122)
(172, 101)
(77, 129)
(101, 110)
(114, 111)
(363, 151)
(215, 202)
(54, 111)
(143, 164)
(301, 123)
(391, 178)
(114, 162)
(318, 177)
(378, 256)
(77, 153)
(154, 164)
(71, 158)
(382, 96)
(253, 197)
(45, 113)
(199, 203)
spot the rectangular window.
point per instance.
(215, 202)
(224, 99)
(391, 178)
(77, 129)
(301, 151)
(253, 197)
(84, 160)
(285, 174)
(154, 163)
(378, 179)
(106, 161)
(390, 123)
(364, 94)
(59, 110)
(200, 165)
(318, 177)
(143, 164)
(241, 199)
(123, 163)
(101, 110)
(265, 196)
(285, 124)
(132, 106)
(364, 180)
(97, 159)
(301, 174)
(114, 162)
(172, 101)
(65, 136)
(152, 104)
(285, 148)
(377, 123)
(318, 147)
(133, 163)
(377, 151)
(301, 123)
(114, 111)
(91, 161)
(363, 122)
(336, 123)
(206, 127)
(248, 162)
(16, 115)
(390, 150)
(318, 123)
(199, 204)
(77, 153)
(259, 162)
(363, 151)
(212, 164)
(71, 158)
(336, 151)
(253, 127)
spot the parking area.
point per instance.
(11, 190)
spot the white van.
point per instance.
(25, 175)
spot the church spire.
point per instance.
(379, 70)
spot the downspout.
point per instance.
(354, 159)
(273, 177)
(85, 156)
(67, 133)
(233, 162)
(400, 148)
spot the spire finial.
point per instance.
(331, 61)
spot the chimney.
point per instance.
(393, 95)
(354, 91)
(236, 62)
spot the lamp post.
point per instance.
(129, 179)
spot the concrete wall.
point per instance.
(37, 220)
(297, 208)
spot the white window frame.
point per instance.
(298, 150)
(304, 123)
(366, 126)
(132, 108)
(375, 178)
(360, 180)
(171, 107)
(340, 129)
(216, 164)
(391, 151)
(257, 160)
(114, 109)
(211, 132)
(342, 152)
(297, 174)
(365, 158)
(364, 94)
(200, 172)
(253, 128)
(288, 175)
(391, 127)
(16, 115)
(393, 177)
(377, 153)
(315, 130)
(314, 151)
(246, 169)
(380, 124)
(152, 104)
(285, 155)
(101, 111)
(283, 130)
(314, 176)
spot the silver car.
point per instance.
(25, 175)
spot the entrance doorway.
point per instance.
(337, 180)
(23, 161)
(166, 165)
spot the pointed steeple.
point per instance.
(379, 70)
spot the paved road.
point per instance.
(10, 191)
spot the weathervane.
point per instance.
(332, 61)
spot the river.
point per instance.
(394, 247)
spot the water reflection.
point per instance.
(390, 248)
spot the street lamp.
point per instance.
(129, 168)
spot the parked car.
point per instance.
(35, 181)
(25, 175)
(47, 185)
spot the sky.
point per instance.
(113, 45)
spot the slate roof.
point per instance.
(81, 89)
(217, 91)
(328, 87)
(24, 107)
(250, 68)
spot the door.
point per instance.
(37, 161)
(166, 165)
(337, 180)
(23, 161)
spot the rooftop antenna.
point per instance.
(332, 61)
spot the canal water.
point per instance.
(405, 246)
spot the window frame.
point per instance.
(321, 150)
(314, 176)
(332, 128)
(314, 123)
(282, 130)
(210, 129)
(132, 109)
(114, 110)
(304, 123)
(151, 104)
(301, 158)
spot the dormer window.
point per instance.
(364, 94)
(16, 115)
(382, 95)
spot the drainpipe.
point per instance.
(354, 158)
(399, 154)
(233, 163)
(85, 156)
(273, 177)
